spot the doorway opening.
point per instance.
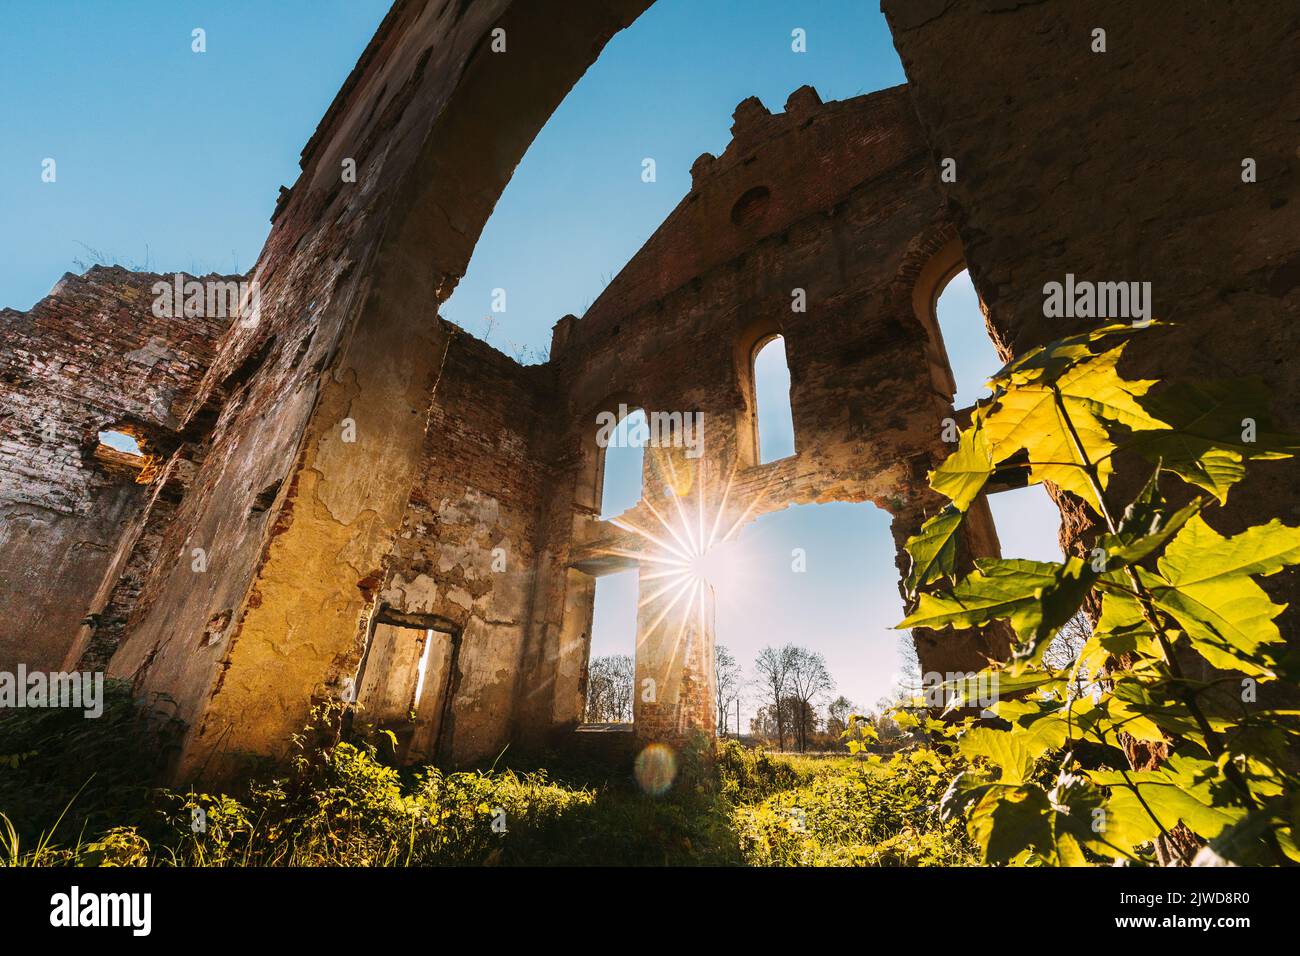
(406, 681)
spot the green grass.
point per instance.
(847, 812)
(78, 797)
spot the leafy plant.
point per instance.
(1171, 590)
(747, 774)
(337, 803)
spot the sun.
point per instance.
(688, 551)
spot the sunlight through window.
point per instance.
(624, 463)
(772, 401)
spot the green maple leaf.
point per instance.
(1205, 585)
(1087, 817)
(1123, 629)
(1205, 445)
(963, 474)
(1036, 597)
(1009, 820)
(1028, 419)
(998, 588)
(1004, 750)
(1044, 724)
(1046, 363)
(1147, 524)
(934, 549)
(1061, 424)
(1182, 789)
(1057, 412)
(1097, 385)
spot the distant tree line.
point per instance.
(792, 688)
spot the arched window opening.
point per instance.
(971, 354)
(623, 452)
(774, 417)
(1026, 519)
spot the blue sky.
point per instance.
(576, 210)
(162, 153)
(171, 159)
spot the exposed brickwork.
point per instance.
(89, 357)
(138, 553)
(850, 214)
(350, 277)
(467, 547)
(510, 461)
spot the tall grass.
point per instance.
(83, 796)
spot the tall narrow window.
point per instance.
(971, 354)
(611, 660)
(624, 456)
(772, 401)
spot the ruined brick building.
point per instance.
(350, 486)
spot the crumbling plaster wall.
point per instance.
(350, 277)
(1127, 166)
(466, 551)
(91, 356)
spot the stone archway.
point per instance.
(332, 419)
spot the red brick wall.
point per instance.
(89, 357)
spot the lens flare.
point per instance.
(656, 769)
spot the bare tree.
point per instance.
(772, 667)
(809, 680)
(1065, 648)
(768, 718)
(727, 679)
(609, 690)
